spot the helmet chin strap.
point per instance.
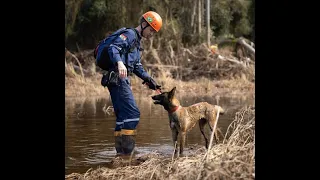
(142, 29)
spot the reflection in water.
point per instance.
(89, 130)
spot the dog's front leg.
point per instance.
(182, 141)
(174, 138)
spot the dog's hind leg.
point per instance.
(202, 122)
(216, 136)
(211, 124)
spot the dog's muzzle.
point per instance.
(156, 99)
(157, 102)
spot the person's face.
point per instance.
(148, 32)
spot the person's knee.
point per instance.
(134, 111)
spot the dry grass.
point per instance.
(232, 159)
(205, 86)
(90, 86)
(76, 85)
(193, 71)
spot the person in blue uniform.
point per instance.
(123, 51)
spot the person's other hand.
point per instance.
(151, 84)
(122, 70)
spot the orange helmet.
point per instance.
(153, 19)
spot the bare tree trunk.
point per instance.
(208, 22)
(199, 21)
(124, 11)
(193, 16)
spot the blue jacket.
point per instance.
(132, 59)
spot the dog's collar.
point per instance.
(174, 109)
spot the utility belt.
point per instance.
(111, 78)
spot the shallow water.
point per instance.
(89, 140)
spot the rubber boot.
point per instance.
(128, 143)
(118, 144)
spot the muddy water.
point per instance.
(89, 129)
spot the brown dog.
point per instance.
(183, 119)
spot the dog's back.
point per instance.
(192, 114)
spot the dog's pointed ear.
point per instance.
(172, 92)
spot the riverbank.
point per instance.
(90, 86)
(232, 158)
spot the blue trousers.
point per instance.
(125, 107)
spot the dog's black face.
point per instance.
(164, 99)
(161, 98)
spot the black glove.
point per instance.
(151, 83)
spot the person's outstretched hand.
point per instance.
(151, 84)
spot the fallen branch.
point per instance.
(161, 65)
(247, 46)
(75, 57)
(84, 71)
(232, 60)
(189, 52)
(85, 54)
(240, 41)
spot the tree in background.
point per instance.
(88, 21)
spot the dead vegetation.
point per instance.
(234, 60)
(90, 86)
(234, 158)
(195, 69)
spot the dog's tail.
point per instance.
(221, 110)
